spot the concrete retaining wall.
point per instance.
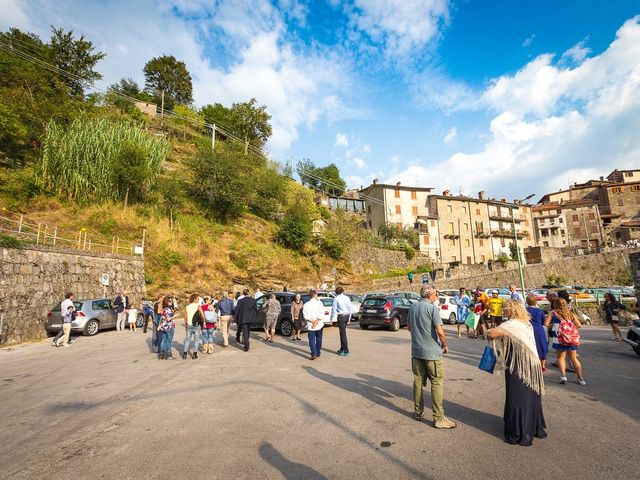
(33, 279)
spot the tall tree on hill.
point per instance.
(327, 179)
(169, 75)
(125, 87)
(77, 57)
(251, 123)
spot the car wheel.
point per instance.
(91, 328)
(395, 324)
(452, 319)
(286, 328)
(140, 320)
(364, 326)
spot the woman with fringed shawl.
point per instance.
(516, 352)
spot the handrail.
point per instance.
(42, 233)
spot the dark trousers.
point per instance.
(246, 335)
(315, 342)
(146, 322)
(342, 326)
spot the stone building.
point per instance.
(147, 108)
(401, 206)
(574, 223)
(617, 198)
(451, 229)
(479, 230)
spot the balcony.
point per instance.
(509, 233)
(504, 217)
(451, 236)
(481, 234)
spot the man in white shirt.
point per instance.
(65, 317)
(341, 311)
(313, 312)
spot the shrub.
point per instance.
(7, 241)
(295, 230)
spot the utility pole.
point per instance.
(213, 137)
(162, 110)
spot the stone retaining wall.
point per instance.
(34, 278)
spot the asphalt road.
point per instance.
(107, 408)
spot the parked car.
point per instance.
(618, 291)
(448, 309)
(596, 293)
(448, 293)
(356, 301)
(504, 293)
(540, 293)
(328, 303)
(373, 294)
(92, 316)
(285, 323)
(411, 296)
(326, 294)
(385, 311)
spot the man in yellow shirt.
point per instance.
(495, 308)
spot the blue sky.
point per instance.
(508, 97)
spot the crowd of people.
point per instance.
(203, 316)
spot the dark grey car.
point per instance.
(285, 323)
(386, 311)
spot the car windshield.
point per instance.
(442, 300)
(374, 302)
(327, 302)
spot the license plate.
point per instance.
(55, 325)
(371, 311)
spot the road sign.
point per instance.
(432, 273)
(425, 279)
(104, 279)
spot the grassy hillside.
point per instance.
(185, 249)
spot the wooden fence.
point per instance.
(41, 233)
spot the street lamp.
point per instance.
(515, 239)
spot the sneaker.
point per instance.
(67, 345)
(582, 382)
(195, 355)
(563, 380)
(184, 355)
(312, 357)
(445, 423)
(418, 417)
(343, 354)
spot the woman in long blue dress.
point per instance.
(539, 332)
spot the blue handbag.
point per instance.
(488, 360)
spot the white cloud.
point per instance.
(13, 16)
(451, 136)
(395, 159)
(298, 87)
(341, 140)
(359, 162)
(529, 40)
(553, 124)
(577, 53)
(400, 26)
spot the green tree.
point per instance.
(341, 233)
(513, 252)
(216, 114)
(126, 87)
(168, 74)
(76, 57)
(250, 123)
(131, 171)
(326, 179)
(31, 96)
(295, 230)
(224, 181)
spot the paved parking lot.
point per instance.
(106, 408)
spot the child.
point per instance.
(132, 316)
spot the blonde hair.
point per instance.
(562, 307)
(515, 310)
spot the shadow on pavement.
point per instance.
(380, 391)
(289, 470)
(290, 348)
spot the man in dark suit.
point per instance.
(121, 305)
(246, 315)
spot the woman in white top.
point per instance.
(132, 317)
(313, 312)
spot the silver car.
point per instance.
(91, 316)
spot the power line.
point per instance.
(214, 127)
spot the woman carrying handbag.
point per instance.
(516, 348)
